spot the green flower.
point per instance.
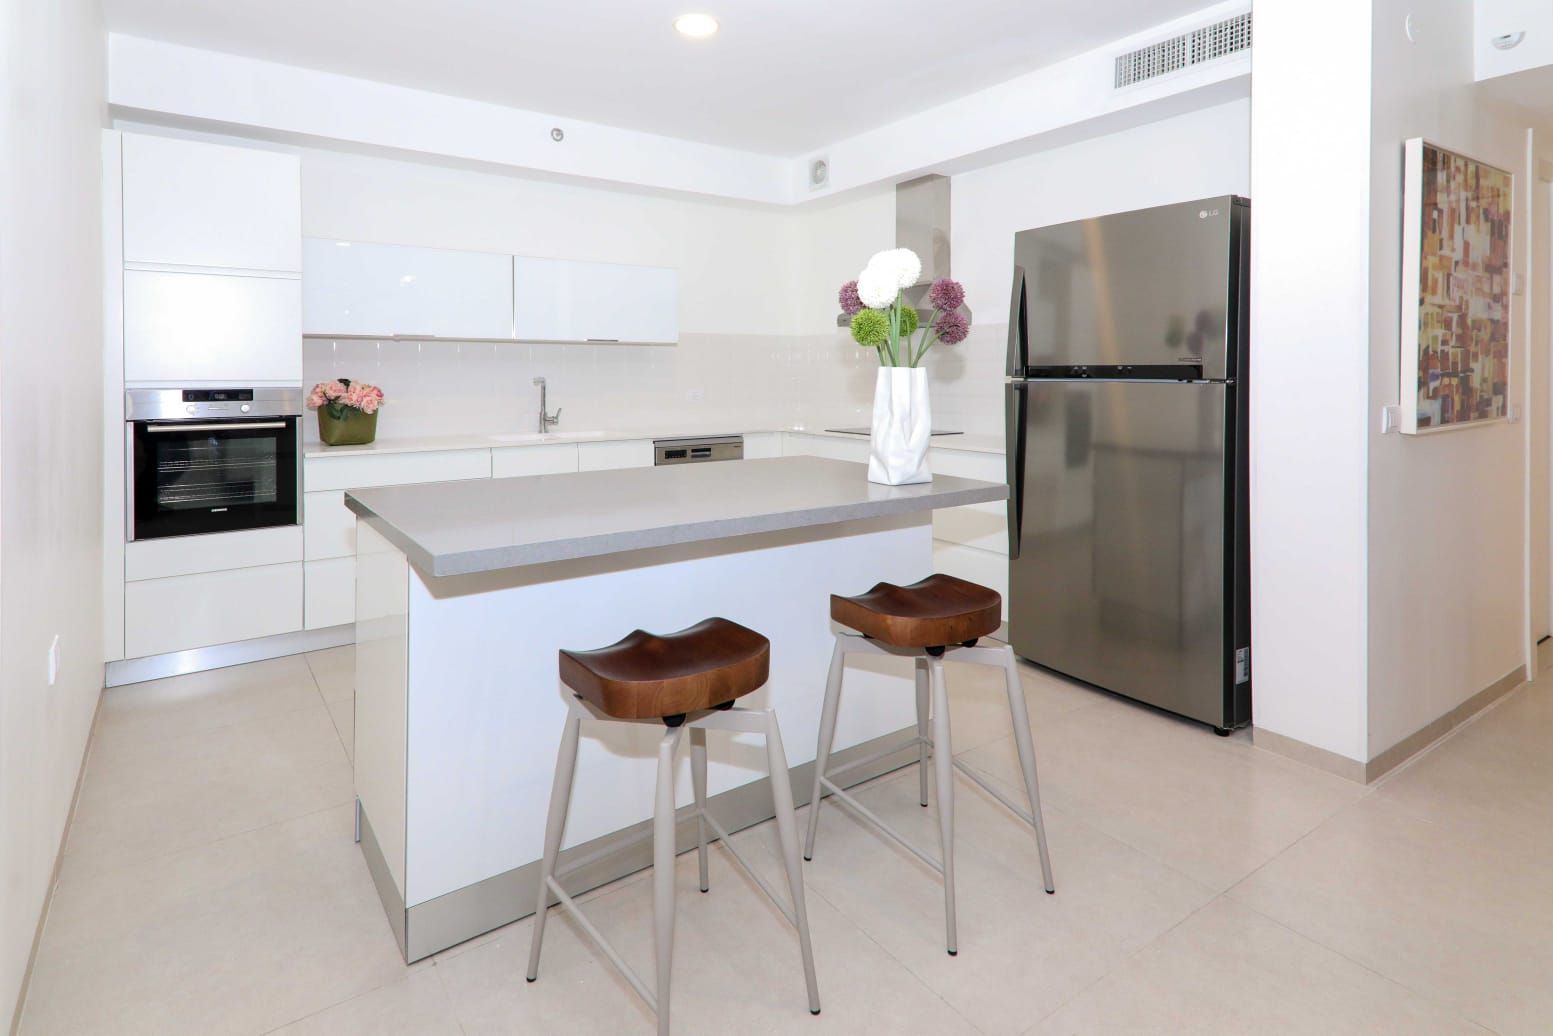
(870, 327)
(908, 320)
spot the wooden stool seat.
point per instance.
(937, 611)
(647, 676)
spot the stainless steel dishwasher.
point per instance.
(699, 450)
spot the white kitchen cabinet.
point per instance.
(329, 526)
(603, 456)
(191, 611)
(360, 288)
(562, 300)
(976, 566)
(758, 445)
(797, 444)
(983, 526)
(214, 552)
(191, 327)
(190, 203)
(516, 461)
(366, 470)
(331, 593)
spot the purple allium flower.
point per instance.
(946, 294)
(848, 297)
(951, 326)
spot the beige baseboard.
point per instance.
(1402, 751)
(59, 859)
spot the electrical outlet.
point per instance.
(54, 661)
(1390, 418)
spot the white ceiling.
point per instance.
(781, 78)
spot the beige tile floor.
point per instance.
(210, 885)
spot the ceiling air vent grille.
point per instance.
(1218, 40)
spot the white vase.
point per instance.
(903, 422)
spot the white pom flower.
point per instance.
(876, 288)
(899, 265)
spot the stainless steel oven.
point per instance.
(204, 460)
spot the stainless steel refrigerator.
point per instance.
(1126, 410)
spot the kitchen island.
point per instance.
(466, 591)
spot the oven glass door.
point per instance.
(193, 477)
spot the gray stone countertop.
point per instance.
(483, 525)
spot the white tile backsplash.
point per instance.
(486, 388)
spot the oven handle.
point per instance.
(223, 426)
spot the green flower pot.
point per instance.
(353, 428)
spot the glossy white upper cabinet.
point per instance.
(191, 327)
(189, 203)
(359, 288)
(560, 300)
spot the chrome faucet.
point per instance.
(546, 420)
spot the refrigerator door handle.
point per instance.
(1018, 346)
(1015, 410)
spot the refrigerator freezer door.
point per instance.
(1152, 288)
(1120, 578)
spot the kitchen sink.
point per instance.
(535, 437)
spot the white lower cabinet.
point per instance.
(796, 444)
(331, 593)
(516, 461)
(191, 611)
(759, 445)
(602, 456)
(367, 470)
(214, 552)
(329, 526)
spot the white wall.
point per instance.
(51, 114)
(1310, 148)
(1447, 512)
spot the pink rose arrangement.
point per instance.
(343, 393)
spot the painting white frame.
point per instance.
(1412, 245)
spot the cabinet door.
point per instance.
(183, 612)
(359, 288)
(603, 456)
(514, 461)
(183, 327)
(566, 301)
(366, 471)
(329, 527)
(330, 593)
(191, 203)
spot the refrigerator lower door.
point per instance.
(1121, 575)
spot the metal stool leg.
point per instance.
(663, 875)
(698, 783)
(943, 769)
(787, 832)
(827, 735)
(922, 731)
(1026, 747)
(555, 827)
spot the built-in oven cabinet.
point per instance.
(192, 203)
(183, 327)
(365, 289)
(179, 613)
(216, 552)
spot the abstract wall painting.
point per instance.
(1457, 217)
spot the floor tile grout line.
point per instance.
(217, 841)
(1452, 1008)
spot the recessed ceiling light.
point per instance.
(696, 26)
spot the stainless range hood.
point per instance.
(922, 225)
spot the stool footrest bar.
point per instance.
(868, 815)
(604, 944)
(742, 862)
(982, 782)
(874, 757)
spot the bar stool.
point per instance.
(940, 617)
(686, 681)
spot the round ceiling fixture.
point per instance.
(696, 26)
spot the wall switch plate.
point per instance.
(54, 661)
(1513, 413)
(695, 395)
(1390, 418)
